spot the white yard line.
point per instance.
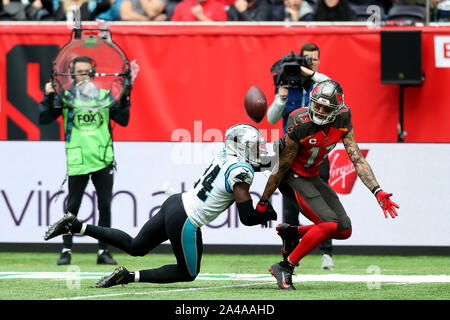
(157, 291)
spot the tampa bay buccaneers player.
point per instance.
(311, 133)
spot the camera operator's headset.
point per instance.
(83, 59)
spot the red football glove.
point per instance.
(387, 204)
(264, 207)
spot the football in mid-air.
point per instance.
(255, 104)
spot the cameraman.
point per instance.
(287, 99)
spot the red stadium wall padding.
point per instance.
(193, 79)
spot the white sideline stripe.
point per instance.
(335, 277)
(158, 291)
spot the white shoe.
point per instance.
(327, 262)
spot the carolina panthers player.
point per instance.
(226, 180)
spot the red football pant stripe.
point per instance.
(306, 209)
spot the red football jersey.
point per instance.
(315, 141)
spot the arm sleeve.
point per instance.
(250, 216)
(318, 77)
(347, 118)
(292, 130)
(47, 110)
(120, 112)
(276, 109)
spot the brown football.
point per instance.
(255, 104)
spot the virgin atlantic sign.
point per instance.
(342, 171)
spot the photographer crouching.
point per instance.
(295, 76)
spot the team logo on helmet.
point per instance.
(247, 143)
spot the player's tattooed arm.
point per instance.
(287, 156)
(362, 167)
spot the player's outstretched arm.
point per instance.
(249, 216)
(362, 167)
(287, 156)
(367, 176)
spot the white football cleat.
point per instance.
(327, 262)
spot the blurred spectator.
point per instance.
(112, 13)
(385, 5)
(170, 8)
(411, 2)
(38, 9)
(44, 10)
(200, 10)
(250, 10)
(294, 10)
(12, 10)
(440, 10)
(334, 10)
(143, 10)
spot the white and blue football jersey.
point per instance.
(212, 194)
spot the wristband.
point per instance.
(375, 190)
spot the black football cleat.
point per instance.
(106, 258)
(283, 275)
(290, 237)
(62, 226)
(119, 276)
(64, 258)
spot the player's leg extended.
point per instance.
(151, 235)
(318, 203)
(187, 245)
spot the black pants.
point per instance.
(103, 182)
(291, 212)
(170, 223)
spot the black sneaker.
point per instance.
(283, 275)
(62, 226)
(290, 237)
(119, 276)
(64, 258)
(106, 258)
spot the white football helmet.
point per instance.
(329, 95)
(247, 143)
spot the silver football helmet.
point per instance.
(325, 102)
(247, 143)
